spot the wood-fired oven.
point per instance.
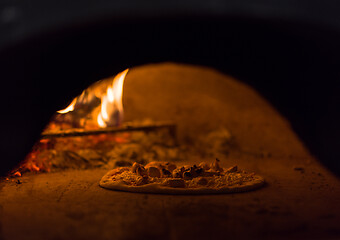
(253, 84)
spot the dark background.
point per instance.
(287, 50)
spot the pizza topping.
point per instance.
(187, 174)
(232, 169)
(204, 165)
(154, 172)
(186, 167)
(141, 180)
(135, 166)
(197, 171)
(118, 170)
(211, 173)
(202, 181)
(170, 166)
(216, 166)
(166, 173)
(141, 171)
(177, 173)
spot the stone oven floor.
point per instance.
(294, 204)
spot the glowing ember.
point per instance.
(17, 174)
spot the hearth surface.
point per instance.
(70, 205)
(301, 199)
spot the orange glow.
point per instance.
(17, 174)
(111, 110)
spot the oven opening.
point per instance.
(161, 112)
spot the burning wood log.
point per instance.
(124, 128)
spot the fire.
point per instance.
(76, 101)
(70, 107)
(98, 106)
(111, 111)
(110, 100)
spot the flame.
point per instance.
(111, 111)
(70, 107)
(111, 106)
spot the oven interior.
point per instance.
(180, 69)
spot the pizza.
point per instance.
(167, 178)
